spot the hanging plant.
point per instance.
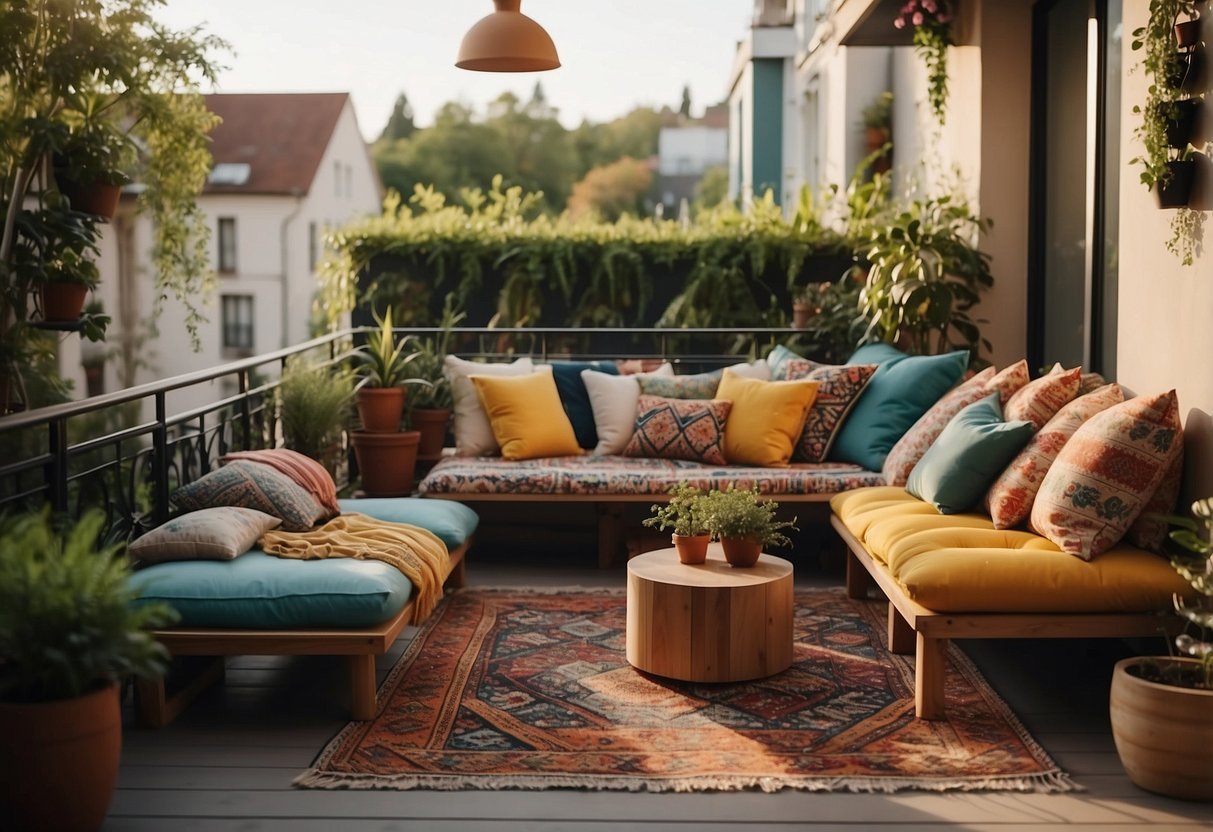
(932, 22)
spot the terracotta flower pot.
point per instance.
(385, 461)
(692, 548)
(62, 302)
(60, 761)
(1163, 733)
(431, 424)
(801, 314)
(97, 198)
(380, 408)
(741, 551)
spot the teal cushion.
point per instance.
(896, 397)
(968, 456)
(778, 362)
(452, 522)
(259, 592)
(877, 353)
(576, 399)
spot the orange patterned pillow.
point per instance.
(1038, 401)
(1106, 474)
(915, 441)
(1009, 500)
(1150, 529)
(691, 429)
(1009, 381)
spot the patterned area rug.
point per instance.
(510, 689)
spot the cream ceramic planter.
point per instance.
(1163, 733)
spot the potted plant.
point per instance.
(878, 128)
(684, 515)
(932, 22)
(91, 166)
(926, 274)
(382, 364)
(804, 306)
(69, 635)
(744, 523)
(386, 455)
(314, 405)
(429, 408)
(1162, 707)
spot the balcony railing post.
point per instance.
(56, 479)
(246, 418)
(160, 459)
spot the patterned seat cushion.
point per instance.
(616, 475)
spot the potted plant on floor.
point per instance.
(1162, 707)
(878, 131)
(69, 635)
(314, 405)
(684, 515)
(429, 407)
(744, 523)
(386, 455)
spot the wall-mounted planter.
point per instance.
(1187, 33)
(97, 198)
(1181, 119)
(1176, 189)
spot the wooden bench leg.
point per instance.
(362, 686)
(901, 634)
(858, 579)
(611, 549)
(156, 709)
(931, 662)
(458, 577)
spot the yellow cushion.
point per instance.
(859, 508)
(1031, 578)
(766, 419)
(887, 530)
(527, 418)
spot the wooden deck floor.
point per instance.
(228, 762)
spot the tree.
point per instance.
(543, 158)
(453, 154)
(612, 190)
(634, 134)
(685, 108)
(400, 123)
(713, 188)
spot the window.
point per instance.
(336, 178)
(349, 180)
(227, 244)
(313, 245)
(238, 322)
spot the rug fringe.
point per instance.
(1049, 782)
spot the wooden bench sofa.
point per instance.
(955, 576)
(272, 621)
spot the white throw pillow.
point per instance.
(759, 369)
(473, 433)
(613, 400)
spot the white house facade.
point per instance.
(287, 167)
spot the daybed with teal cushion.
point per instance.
(257, 604)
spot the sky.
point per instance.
(615, 54)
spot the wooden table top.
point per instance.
(664, 567)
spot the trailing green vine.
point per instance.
(932, 22)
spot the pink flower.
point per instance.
(944, 17)
(899, 23)
(918, 18)
(929, 5)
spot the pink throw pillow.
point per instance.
(1038, 401)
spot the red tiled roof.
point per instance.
(281, 136)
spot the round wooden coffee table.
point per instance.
(709, 622)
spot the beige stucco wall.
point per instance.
(1165, 322)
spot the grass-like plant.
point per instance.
(383, 360)
(314, 404)
(67, 621)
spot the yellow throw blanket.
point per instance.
(418, 553)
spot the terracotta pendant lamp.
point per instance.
(507, 41)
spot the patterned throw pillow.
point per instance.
(1009, 380)
(221, 533)
(1090, 382)
(1150, 529)
(700, 386)
(1106, 473)
(778, 362)
(255, 486)
(838, 388)
(1009, 499)
(1038, 401)
(914, 442)
(680, 429)
(304, 470)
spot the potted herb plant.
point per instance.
(69, 635)
(429, 408)
(684, 515)
(1162, 707)
(744, 523)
